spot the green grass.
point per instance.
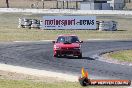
(10, 32)
(125, 55)
(30, 84)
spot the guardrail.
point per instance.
(66, 11)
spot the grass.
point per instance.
(29, 84)
(125, 55)
(16, 80)
(10, 32)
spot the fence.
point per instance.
(40, 4)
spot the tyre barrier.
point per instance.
(41, 23)
(35, 23)
(29, 23)
(107, 26)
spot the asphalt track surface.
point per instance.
(39, 55)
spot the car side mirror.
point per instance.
(53, 41)
(81, 41)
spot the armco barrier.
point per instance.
(66, 11)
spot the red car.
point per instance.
(67, 45)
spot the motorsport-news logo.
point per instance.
(69, 22)
(85, 81)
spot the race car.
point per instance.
(67, 45)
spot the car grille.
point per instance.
(66, 52)
(67, 48)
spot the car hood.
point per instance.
(72, 45)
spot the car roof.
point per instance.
(67, 35)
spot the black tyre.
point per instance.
(80, 56)
(84, 81)
(55, 55)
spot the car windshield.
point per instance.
(67, 39)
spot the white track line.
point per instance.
(65, 11)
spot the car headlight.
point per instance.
(57, 47)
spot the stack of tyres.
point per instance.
(41, 24)
(97, 25)
(27, 23)
(107, 26)
(35, 23)
(21, 23)
(114, 27)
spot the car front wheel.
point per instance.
(80, 56)
(55, 55)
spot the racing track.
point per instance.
(38, 55)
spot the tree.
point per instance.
(7, 3)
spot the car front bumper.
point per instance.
(68, 52)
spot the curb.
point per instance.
(113, 61)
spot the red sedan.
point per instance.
(67, 45)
